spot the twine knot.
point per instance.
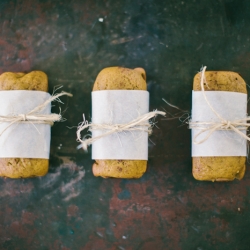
(23, 116)
(227, 124)
(116, 127)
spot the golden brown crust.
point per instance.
(35, 80)
(120, 78)
(219, 168)
(23, 167)
(221, 81)
(119, 168)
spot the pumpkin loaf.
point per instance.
(118, 78)
(219, 168)
(23, 167)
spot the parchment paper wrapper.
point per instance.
(24, 140)
(119, 107)
(231, 106)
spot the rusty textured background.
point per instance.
(166, 209)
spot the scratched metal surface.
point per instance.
(166, 209)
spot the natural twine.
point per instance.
(139, 124)
(33, 116)
(210, 127)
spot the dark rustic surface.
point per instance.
(166, 209)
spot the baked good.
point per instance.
(23, 167)
(117, 78)
(219, 168)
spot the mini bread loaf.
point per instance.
(219, 168)
(118, 78)
(23, 167)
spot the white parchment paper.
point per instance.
(231, 106)
(24, 140)
(119, 107)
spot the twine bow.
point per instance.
(33, 116)
(223, 124)
(139, 124)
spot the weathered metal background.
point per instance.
(166, 209)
